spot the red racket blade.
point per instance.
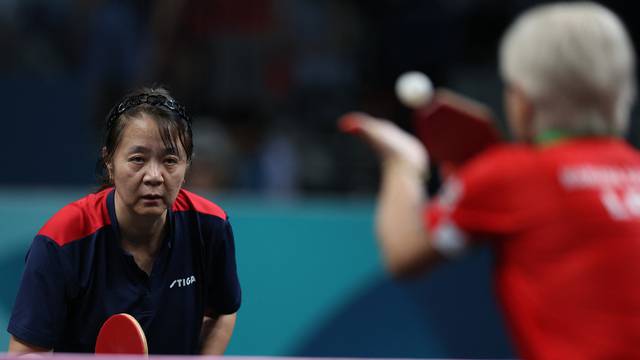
(454, 128)
(121, 334)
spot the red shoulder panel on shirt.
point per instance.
(187, 200)
(78, 219)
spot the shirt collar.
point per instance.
(552, 137)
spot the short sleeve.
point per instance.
(224, 294)
(486, 201)
(40, 309)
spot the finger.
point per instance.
(352, 123)
(365, 126)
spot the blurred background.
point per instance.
(265, 81)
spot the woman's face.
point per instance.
(147, 175)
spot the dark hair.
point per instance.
(171, 117)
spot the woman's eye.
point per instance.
(136, 159)
(171, 161)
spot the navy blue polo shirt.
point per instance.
(77, 275)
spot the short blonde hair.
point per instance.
(576, 63)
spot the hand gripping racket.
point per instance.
(454, 128)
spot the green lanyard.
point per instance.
(551, 137)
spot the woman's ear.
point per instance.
(520, 113)
(108, 163)
(103, 154)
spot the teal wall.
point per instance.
(312, 282)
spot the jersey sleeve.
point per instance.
(486, 201)
(224, 293)
(40, 309)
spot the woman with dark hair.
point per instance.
(140, 245)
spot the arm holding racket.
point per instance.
(17, 346)
(216, 333)
(403, 238)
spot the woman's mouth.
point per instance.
(151, 197)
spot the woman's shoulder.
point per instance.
(78, 219)
(501, 161)
(189, 201)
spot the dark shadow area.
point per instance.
(46, 123)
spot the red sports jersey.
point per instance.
(564, 221)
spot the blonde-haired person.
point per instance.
(561, 209)
(575, 65)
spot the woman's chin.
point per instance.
(151, 211)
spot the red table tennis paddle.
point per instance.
(454, 128)
(121, 334)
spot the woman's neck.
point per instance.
(139, 234)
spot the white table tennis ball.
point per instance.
(414, 89)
